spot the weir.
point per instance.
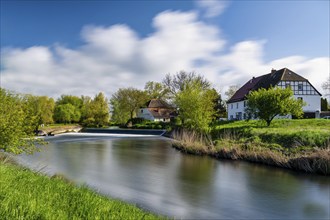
(125, 131)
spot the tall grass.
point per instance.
(275, 146)
(28, 195)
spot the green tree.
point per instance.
(156, 90)
(219, 106)
(70, 99)
(40, 109)
(75, 115)
(15, 131)
(324, 104)
(125, 103)
(267, 103)
(96, 111)
(196, 105)
(65, 113)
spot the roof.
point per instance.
(158, 103)
(266, 81)
(164, 113)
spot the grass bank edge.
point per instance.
(302, 145)
(31, 195)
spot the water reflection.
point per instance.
(148, 172)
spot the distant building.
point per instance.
(283, 78)
(157, 110)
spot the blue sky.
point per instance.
(91, 46)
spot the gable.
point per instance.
(271, 80)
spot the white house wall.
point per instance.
(305, 91)
(146, 114)
(235, 110)
(313, 102)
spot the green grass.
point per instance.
(28, 195)
(308, 133)
(310, 160)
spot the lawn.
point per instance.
(29, 195)
(312, 133)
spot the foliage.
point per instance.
(41, 108)
(66, 113)
(325, 105)
(267, 103)
(125, 103)
(289, 134)
(196, 105)
(96, 111)
(68, 109)
(70, 99)
(16, 125)
(156, 90)
(28, 195)
(219, 106)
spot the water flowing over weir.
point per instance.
(147, 171)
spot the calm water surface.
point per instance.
(148, 172)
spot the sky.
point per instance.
(82, 47)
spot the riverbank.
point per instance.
(25, 194)
(59, 129)
(302, 145)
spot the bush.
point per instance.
(135, 121)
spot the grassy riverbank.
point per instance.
(29, 195)
(302, 145)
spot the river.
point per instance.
(148, 172)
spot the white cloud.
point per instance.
(212, 8)
(115, 57)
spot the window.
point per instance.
(238, 115)
(237, 105)
(300, 98)
(287, 85)
(231, 106)
(141, 110)
(300, 87)
(244, 103)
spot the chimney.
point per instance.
(273, 71)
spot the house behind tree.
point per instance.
(157, 110)
(302, 89)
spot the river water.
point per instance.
(148, 172)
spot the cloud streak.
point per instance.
(212, 8)
(115, 56)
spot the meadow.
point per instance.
(302, 145)
(25, 194)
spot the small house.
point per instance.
(157, 110)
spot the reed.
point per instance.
(232, 146)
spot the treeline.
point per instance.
(38, 110)
(196, 101)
